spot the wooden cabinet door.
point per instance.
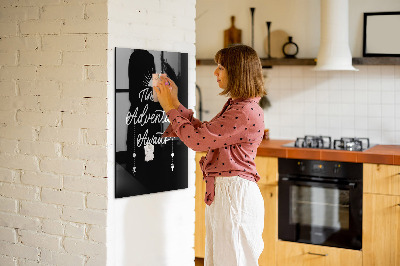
(270, 233)
(381, 230)
(200, 207)
(381, 179)
(298, 254)
(267, 168)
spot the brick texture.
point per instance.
(53, 108)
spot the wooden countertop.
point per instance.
(379, 154)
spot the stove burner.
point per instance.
(308, 141)
(351, 144)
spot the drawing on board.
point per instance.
(144, 162)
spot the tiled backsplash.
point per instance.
(365, 103)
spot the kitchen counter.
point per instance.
(379, 154)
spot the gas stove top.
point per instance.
(325, 142)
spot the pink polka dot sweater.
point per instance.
(231, 139)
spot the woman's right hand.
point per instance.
(174, 92)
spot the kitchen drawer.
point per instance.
(381, 179)
(298, 254)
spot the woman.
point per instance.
(235, 207)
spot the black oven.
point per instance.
(320, 202)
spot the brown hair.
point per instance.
(245, 78)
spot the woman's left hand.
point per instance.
(164, 94)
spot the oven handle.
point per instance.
(297, 181)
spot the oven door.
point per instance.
(320, 212)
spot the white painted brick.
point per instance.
(84, 216)
(161, 19)
(63, 197)
(35, 2)
(39, 58)
(19, 250)
(96, 42)
(41, 179)
(86, 1)
(60, 258)
(96, 73)
(85, 152)
(39, 118)
(18, 191)
(89, 57)
(84, 26)
(19, 221)
(22, 102)
(67, 42)
(97, 234)
(17, 132)
(190, 36)
(40, 27)
(96, 11)
(38, 209)
(39, 87)
(18, 161)
(8, 146)
(7, 88)
(7, 175)
(8, 58)
(62, 12)
(60, 73)
(35, 239)
(8, 205)
(62, 166)
(8, 234)
(8, 28)
(25, 262)
(87, 88)
(85, 121)
(18, 72)
(53, 227)
(41, 148)
(75, 230)
(8, 261)
(20, 43)
(19, 13)
(67, 135)
(96, 185)
(96, 137)
(94, 201)
(84, 247)
(8, 117)
(73, 104)
(175, 8)
(95, 168)
(100, 260)
(6, 102)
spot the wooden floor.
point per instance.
(199, 262)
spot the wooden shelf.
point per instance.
(312, 61)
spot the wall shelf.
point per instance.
(266, 63)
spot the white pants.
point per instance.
(234, 223)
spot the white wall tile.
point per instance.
(328, 103)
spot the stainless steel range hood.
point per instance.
(334, 52)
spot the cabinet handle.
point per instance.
(318, 254)
(398, 204)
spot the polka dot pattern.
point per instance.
(231, 138)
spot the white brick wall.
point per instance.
(155, 229)
(53, 107)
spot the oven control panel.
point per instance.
(331, 169)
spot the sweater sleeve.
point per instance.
(225, 130)
(186, 113)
